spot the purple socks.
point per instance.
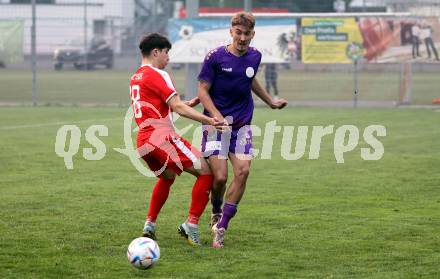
(229, 210)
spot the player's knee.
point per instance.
(220, 178)
(242, 172)
(168, 175)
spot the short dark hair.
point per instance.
(152, 41)
(243, 18)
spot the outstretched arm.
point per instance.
(263, 95)
(193, 102)
(177, 105)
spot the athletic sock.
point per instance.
(200, 197)
(216, 205)
(229, 210)
(158, 198)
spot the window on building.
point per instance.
(29, 1)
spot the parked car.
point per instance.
(99, 53)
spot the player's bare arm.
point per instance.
(193, 102)
(177, 105)
(206, 100)
(263, 95)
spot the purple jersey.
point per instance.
(231, 78)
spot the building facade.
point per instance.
(61, 22)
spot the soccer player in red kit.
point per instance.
(153, 97)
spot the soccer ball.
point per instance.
(143, 252)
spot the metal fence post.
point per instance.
(248, 5)
(192, 11)
(405, 88)
(356, 83)
(34, 53)
(410, 83)
(86, 67)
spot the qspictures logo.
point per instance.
(346, 138)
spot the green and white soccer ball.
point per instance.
(143, 252)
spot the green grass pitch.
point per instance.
(298, 219)
(111, 87)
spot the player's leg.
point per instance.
(158, 198)
(215, 146)
(199, 199)
(201, 189)
(219, 168)
(241, 167)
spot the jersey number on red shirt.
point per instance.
(135, 96)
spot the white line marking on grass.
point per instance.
(57, 123)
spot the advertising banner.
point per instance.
(370, 40)
(330, 40)
(11, 41)
(276, 39)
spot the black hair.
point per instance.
(152, 41)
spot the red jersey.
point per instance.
(150, 91)
(158, 144)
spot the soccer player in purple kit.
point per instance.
(226, 80)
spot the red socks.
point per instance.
(200, 197)
(199, 200)
(158, 198)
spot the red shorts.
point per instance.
(174, 153)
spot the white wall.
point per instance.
(65, 20)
